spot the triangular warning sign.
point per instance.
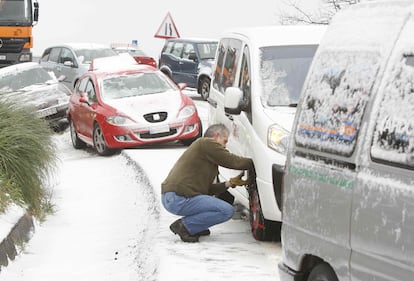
(167, 28)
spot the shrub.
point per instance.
(27, 157)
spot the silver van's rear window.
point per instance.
(334, 101)
(393, 139)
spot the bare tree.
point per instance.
(321, 15)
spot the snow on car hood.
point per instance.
(136, 107)
(39, 96)
(282, 115)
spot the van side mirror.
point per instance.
(232, 100)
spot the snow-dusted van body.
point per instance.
(256, 83)
(348, 201)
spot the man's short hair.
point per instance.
(216, 128)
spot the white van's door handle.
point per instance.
(212, 102)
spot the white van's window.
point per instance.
(334, 101)
(393, 140)
(283, 71)
(244, 83)
(226, 68)
(221, 53)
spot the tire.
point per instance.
(76, 141)
(262, 229)
(204, 89)
(99, 142)
(188, 142)
(322, 272)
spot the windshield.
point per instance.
(137, 84)
(14, 81)
(207, 50)
(283, 70)
(15, 11)
(90, 54)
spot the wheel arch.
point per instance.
(167, 71)
(308, 263)
(200, 79)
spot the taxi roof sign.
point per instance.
(167, 28)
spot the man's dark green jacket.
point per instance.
(196, 169)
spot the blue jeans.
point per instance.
(199, 212)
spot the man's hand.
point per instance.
(238, 181)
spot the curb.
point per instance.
(19, 234)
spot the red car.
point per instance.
(122, 106)
(140, 56)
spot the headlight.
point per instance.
(119, 120)
(278, 139)
(186, 111)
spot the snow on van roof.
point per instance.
(371, 26)
(275, 35)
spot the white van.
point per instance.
(348, 200)
(256, 83)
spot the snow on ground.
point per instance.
(109, 225)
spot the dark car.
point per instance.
(189, 61)
(28, 84)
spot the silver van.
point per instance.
(256, 84)
(348, 198)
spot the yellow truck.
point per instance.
(17, 17)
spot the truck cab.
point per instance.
(17, 18)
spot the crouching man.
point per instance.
(189, 189)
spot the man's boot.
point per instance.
(178, 227)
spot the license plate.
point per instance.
(2, 57)
(47, 112)
(159, 129)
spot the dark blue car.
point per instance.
(189, 61)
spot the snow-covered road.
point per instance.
(109, 225)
